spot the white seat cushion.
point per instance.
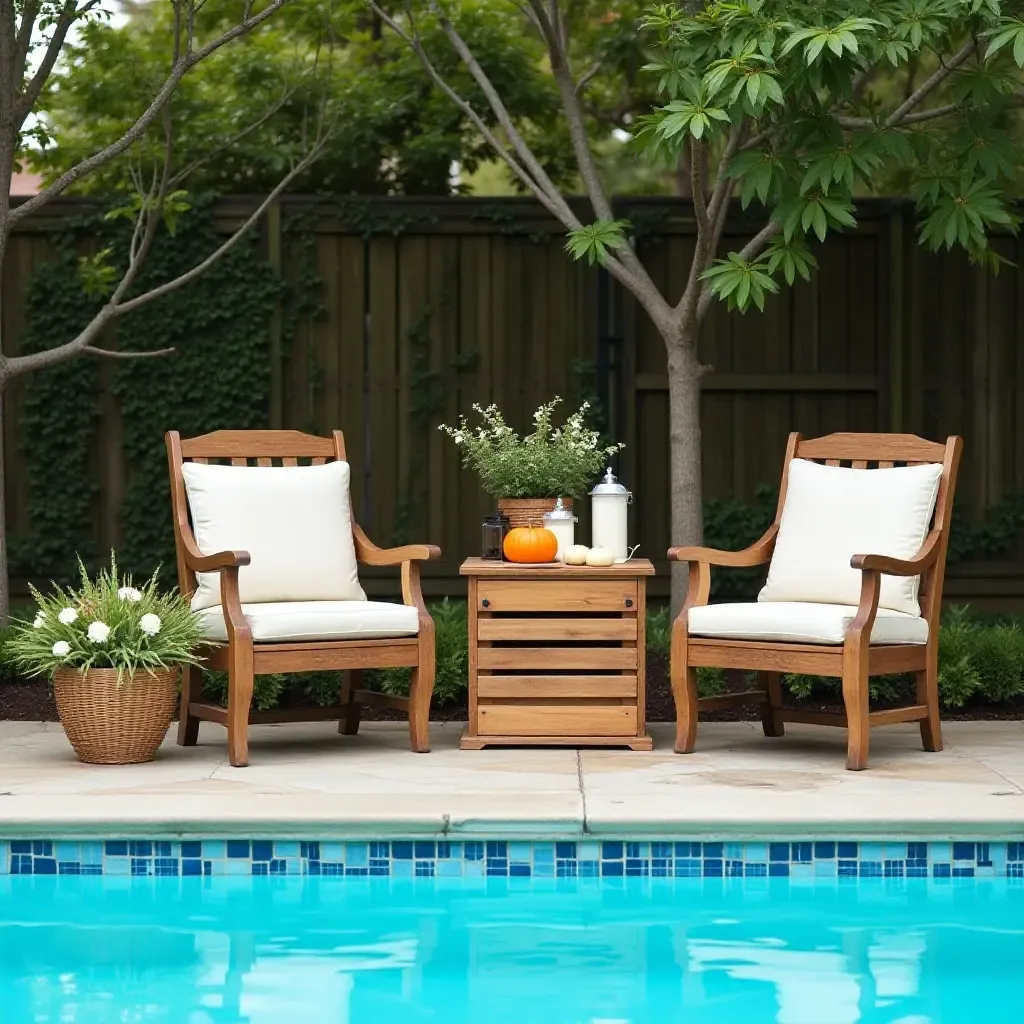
(832, 513)
(801, 623)
(317, 620)
(295, 522)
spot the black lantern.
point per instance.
(495, 528)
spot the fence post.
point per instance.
(897, 322)
(273, 229)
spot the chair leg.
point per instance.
(855, 697)
(771, 719)
(351, 681)
(421, 689)
(684, 693)
(188, 724)
(240, 684)
(927, 683)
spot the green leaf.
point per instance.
(595, 241)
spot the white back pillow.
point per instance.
(832, 513)
(295, 522)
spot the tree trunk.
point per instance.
(686, 485)
(5, 583)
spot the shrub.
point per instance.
(997, 654)
(451, 643)
(959, 679)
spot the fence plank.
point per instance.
(824, 355)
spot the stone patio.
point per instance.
(306, 780)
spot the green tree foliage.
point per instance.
(398, 133)
(800, 106)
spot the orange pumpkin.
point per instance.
(530, 544)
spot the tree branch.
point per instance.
(29, 92)
(723, 182)
(853, 123)
(18, 365)
(107, 353)
(29, 13)
(183, 64)
(500, 111)
(551, 28)
(929, 84)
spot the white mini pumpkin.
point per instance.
(600, 557)
(576, 554)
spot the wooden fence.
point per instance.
(430, 306)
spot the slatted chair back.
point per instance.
(238, 448)
(886, 451)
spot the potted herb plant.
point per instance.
(528, 474)
(114, 653)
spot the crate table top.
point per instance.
(488, 568)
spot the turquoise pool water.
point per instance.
(303, 950)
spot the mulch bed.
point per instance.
(32, 701)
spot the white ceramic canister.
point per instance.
(561, 522)
(608, 520)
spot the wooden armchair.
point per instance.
(256, 633)
(892, 628)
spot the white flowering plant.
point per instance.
(105, 622)
(551, 462)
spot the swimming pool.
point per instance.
(616, 932)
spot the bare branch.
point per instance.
(723, 182)
(181, 66)
(29, 13)
(18, 365)
(525, 154)
(700, 207)
(190, 169)
(107, 353)
(853, 123)
(230, 243)
(932, 82)
(414, 42)
(69, 14)
(588, 76)
(551, 23)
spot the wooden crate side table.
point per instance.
(556, 655)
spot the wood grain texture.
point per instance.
(856, 659)
(552, 720)
(572, 667)
(567, 659)
(243, 659)
(526, 630)
(551, 596)
(557, 686)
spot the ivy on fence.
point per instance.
(219, 376)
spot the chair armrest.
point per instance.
(757, 554)
(900, 566)
(396, 556)
(212, 563)
(369, 554)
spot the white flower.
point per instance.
(61, 649)
(68, 615)
(98, 632)
(37, 622)
(150, 624)
(129, 594)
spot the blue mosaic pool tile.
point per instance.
(428, 858)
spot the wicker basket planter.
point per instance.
(528, 511)
(109, 723)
